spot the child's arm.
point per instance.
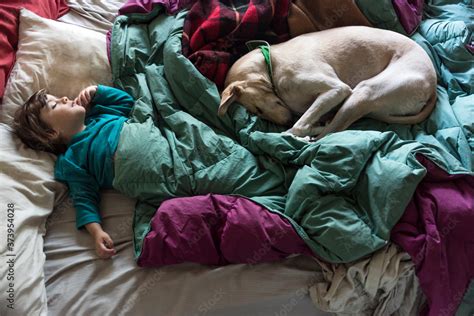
(85, 97)
(104, 245)
(108, 100)
(112, 96)
(86, 197)
(84, 192)
(105, 100)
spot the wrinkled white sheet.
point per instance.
(94, 14)
(78, 283)
(384, 284)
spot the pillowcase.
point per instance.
(9, 10)
(64, 59)
(27, 196)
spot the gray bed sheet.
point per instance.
(79, 283)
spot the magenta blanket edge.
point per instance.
(146, 6)
(218, 229)
(409, 12)
(435, 231)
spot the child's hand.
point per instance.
(85, 97)
(104, 246)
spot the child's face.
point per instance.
(63, 115)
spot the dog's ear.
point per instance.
(229, 95)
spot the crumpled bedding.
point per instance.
(74, 276)
(210, 230)
(215, 32)
(384, 284)
(352, 170)
(178, 91)
(93, 14)
(435, 231)
(434, 228)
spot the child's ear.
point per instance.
(55, 136)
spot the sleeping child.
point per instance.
(99, 147)
(85, 133)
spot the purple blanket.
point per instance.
(409, 13)
(218, 230)
(146, 6)
(436, 230)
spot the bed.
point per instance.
(51, 268)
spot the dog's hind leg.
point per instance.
(306, 125)
(396, 95)
(354, 108)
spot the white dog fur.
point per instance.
(371, 72)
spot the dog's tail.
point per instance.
(416, 118)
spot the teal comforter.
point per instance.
(342, 194)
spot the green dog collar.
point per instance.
(265, 49)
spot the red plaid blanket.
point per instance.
(215, 31)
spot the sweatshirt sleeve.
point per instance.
(86, 200)
(83, 190)
(108, 100)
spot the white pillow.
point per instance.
(63, 59)
(60, 57)
(27, 196)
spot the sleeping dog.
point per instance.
(371, 72)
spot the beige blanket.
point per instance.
(384, 284)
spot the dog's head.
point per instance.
(258, 97)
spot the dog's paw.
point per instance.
(305, 138)
(306, 131)
(296, 131)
